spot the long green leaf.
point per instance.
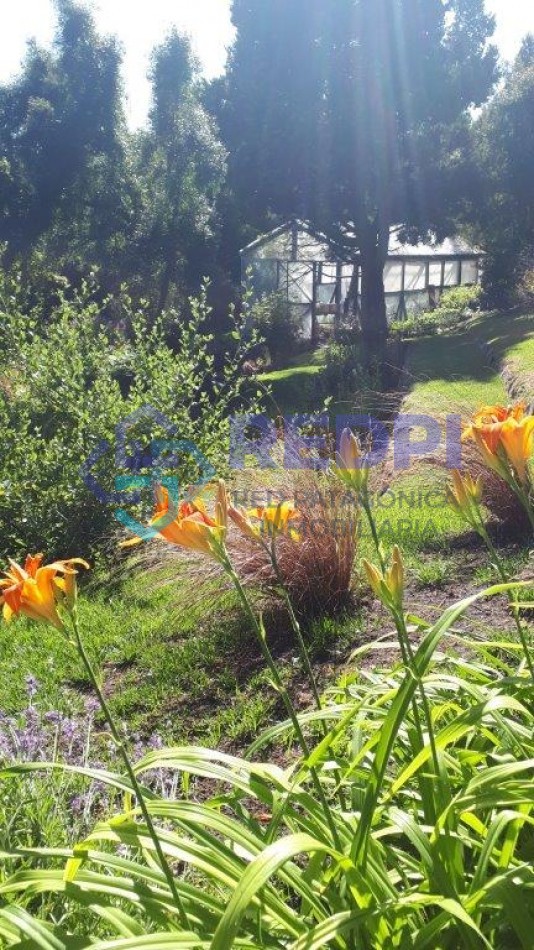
(254, 879)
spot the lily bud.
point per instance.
(388, 587)
(465, 495)
(351, 467)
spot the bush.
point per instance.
(460, 299)
(344, 371)
(455, 304)
(509, 279)
(66, 385)
(277, 324)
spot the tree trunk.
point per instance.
(351, 300)
(374, 252)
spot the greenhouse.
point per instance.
(324, 291)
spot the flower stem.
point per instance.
(304, 655)
(121, 749)
(286, 699)
(405, 646)
(364, 501)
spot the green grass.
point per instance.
(454, 370)
(294, 388)
(511, 337)
(167, 667)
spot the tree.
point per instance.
(504, 152)
(183, 166)
(59, 118)
(352, 114)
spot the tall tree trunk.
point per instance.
(374, 252)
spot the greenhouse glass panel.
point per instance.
(309, 248)
(279, 247)
(297, 279)
(469, 272)
(326, 293)
(329, 273)
(434, 278)
(452, 273)
(415, 278)
(347, 271)
(303, 315)
(393, 277)
(262, 277)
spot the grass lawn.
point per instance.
(166, 667)
(294, 388)
(454, 369)
(451, 373)
(172, 669)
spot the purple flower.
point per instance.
(69, 729)
(32, 686)
(77, 804)
(92, 706)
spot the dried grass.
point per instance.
(317, 569)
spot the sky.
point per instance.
(140, 24)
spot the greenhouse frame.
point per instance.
(323, 291)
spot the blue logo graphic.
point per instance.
(258, 437)
(132, 459)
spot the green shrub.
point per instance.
(454, 306)
(277, 324)
(344, 372)
(66, 384)
(459, 299)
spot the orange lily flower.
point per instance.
(36, 591)
(504, 437)
(490, 414)
(192, 528)
(517, 439)
(269, 521)
(487, 438)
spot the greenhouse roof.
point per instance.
(279, 244)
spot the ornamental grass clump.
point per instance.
(315, 553)
(315, 558)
